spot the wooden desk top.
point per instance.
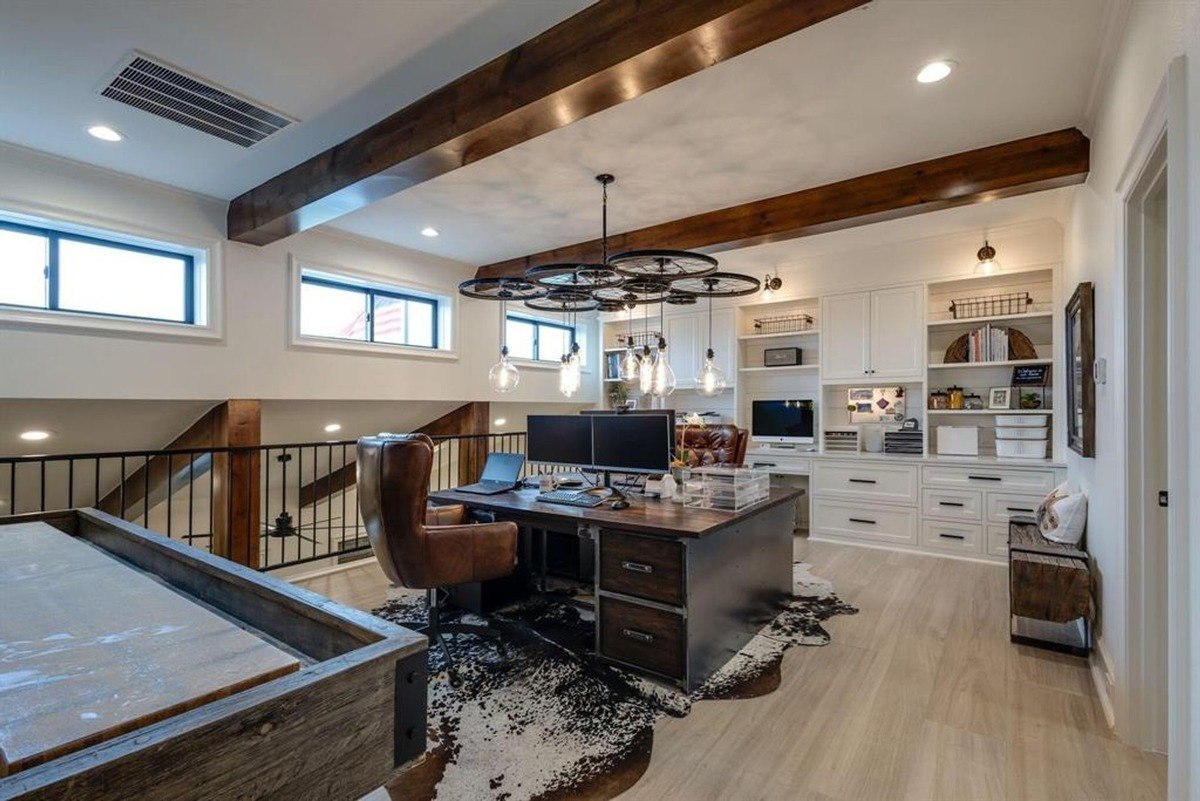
(645, 515)
(91, 648)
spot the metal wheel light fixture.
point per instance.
(711, 380)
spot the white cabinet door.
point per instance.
(897, 333)
(724, 341)
(682, 349)
(845, 337)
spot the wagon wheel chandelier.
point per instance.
(644, 277)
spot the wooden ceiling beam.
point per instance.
(612, 51)
(1033, 164)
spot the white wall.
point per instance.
(1155, 33)
(253, 359)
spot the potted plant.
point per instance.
(617, 394)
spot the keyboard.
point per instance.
(570, 498)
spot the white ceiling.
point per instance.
(337, 66)
(831, 102)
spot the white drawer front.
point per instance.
(997, 540)
(786, 465)
(1003, 506)
(954, 537)
(864, 522)
(953, 504)
(1036, 482)
(870, 482)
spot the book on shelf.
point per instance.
(988, 344)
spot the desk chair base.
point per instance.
(435, 630)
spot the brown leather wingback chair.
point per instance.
(422, 547)
(717, 444)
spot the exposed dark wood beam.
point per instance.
(612, 51)
(1014, 168)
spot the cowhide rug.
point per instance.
(550, 721)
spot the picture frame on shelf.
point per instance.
(1000, 398)
(1081, 353)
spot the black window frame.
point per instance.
(538, 324)
(371, 292)
(51, 271)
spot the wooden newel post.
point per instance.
(237, 477)
(472, 453)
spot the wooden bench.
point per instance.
(1049, 582)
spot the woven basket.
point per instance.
(1019, 347)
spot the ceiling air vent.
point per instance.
(159, 88)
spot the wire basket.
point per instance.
(990, 306)
(783, 324)
(640, 338)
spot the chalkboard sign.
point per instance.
(1033, 375)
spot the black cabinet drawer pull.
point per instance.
(638, 567)
(952, 536)
(862, 520)
(862, 481)
(985, 478)
(640, 636)
(951, 503)
(764, 464)
(1017, 509)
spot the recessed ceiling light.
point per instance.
(429, 230)
(105, 133)
(499, 421)
(935, 71)
(332, 427)
(35, 436)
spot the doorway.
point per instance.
(1148, 447)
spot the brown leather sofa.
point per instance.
(716, 444)
(422, 547)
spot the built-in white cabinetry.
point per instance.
(877, 334)
(687, 342)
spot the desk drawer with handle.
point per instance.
(644, 567)
(861, 521)
(965, 538)
(872, 482)
(952, 504)
(649, 638)
(1036, 482)
(1002, 507)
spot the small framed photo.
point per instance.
(1000, 398)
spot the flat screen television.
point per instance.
(783, 421)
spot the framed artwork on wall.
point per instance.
(1000, 397)
(1081, 354)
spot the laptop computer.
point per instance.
(501, 473)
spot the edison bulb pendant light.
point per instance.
(988, 264)
(710, 381)
(570, 374)
(504, 375)
(630, 363)
(662, 382)
(645, 370)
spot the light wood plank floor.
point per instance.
(919, 696)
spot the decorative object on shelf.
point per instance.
(1031, 381)
(939, 399)
(991, 305)
(955, 395)
(873, 438)
(958, 440)
(781, 357)
(972, 402)
(988, 344)
(1000, 398)
(1031, 400)
(875, 404)
(842, 439)
(710, 380)
(618, 394)
(784, 323)
(1081, 355)
(906, 440)
(771, 284)
(987, 263)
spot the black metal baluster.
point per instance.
(146, 492)
(170, 486)
(122, 512)
(344, 474)
(283, 501)
(191, 495)
(96, 485)
(70, 483)
(42, 489)
(329, 502)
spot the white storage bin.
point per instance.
(1011, 432)
(958, 440)
(1021, 448)
(1022, 420)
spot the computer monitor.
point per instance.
(559, 439)
(783, 421)
(633, 443)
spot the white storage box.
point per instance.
(958, 440)
(726, 488)
(1012, 432)
(1022, 420)
(1021, 448)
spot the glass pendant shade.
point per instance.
(629, 363)
(988, 264)
(710, 381)
(504, 375)
(570, 374)
(645, 371)
(662, 380)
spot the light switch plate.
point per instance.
(1100, 371)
